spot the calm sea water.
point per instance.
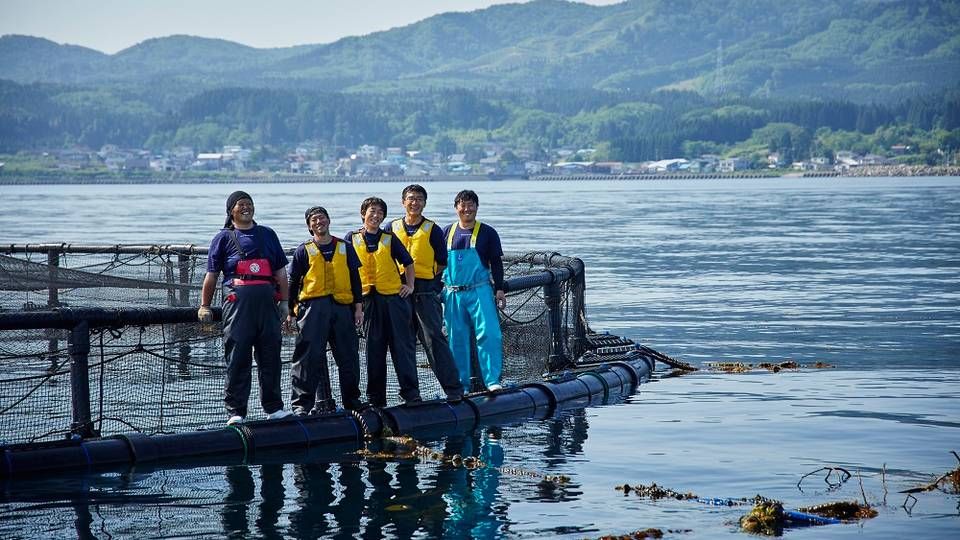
(859, 273)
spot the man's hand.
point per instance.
(205, 314)
(289, 324)
(501, 300)
(283, 309)
(405, 290)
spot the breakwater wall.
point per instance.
(10, 179)
(903, 170)
(289, 178)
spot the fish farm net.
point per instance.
(165, 378)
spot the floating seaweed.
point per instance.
(765, 518)
(776, 368)
(730, 367)
(741, 367)
(636, 535)
(407, 448)
(843, 510)
(653, 491)
(950, 484)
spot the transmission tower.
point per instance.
(718, 82)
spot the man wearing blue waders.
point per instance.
(473, 292)
(325, 283)
(254, 302)
(424, 240)
(387, 312)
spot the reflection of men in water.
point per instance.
(400, 505)
(472, 493)
(236, 522)
(237, 501)
(317, 494)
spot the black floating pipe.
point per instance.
(79, 347)
(106, 248)
(537, 400)
(405, 418)
(100, 317)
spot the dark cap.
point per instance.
(314, 210)
(236, 196)
(231, 202)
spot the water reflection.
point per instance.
(316, 493)
(471, 495)
(240, 494)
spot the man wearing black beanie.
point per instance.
(255, 301)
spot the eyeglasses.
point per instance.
(411, 198)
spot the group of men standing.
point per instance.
(384, 280)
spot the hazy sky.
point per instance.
(112, 25)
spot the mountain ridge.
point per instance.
(852, 49)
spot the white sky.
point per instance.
(113, 25)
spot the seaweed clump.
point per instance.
(635, 535)
(740, 367)
(653, 491)
(843, 510)
(766, 518)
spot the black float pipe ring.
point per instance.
(546, 389)
(634, 376)
(303, 428)
(540, 394)
(606, 386)
(469, 401)
(143, 449)
(246, 437)
(623, 381)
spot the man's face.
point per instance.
(373, 217)
(242, 212)
(414, 203)
(319, 224)
(466, 211)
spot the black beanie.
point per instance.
(231, 202)
(311, 211)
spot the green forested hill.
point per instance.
(865, 50)
(643, 79)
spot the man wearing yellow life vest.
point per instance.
(474, 291)
(386, 309)
(424, 240)
(326, 287)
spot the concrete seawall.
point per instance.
(177, 178)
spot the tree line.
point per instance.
(621, 125)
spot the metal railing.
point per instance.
(547, 324)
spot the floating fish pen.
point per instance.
(104, 363)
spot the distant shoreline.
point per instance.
(70, 178)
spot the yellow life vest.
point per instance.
(379, 269)
(324, 278)
(418, 244)
(473, 236)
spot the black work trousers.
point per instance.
(321, 321)
(387, 319)
(251, 327)
(428, 322)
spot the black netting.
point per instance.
(162, 378)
